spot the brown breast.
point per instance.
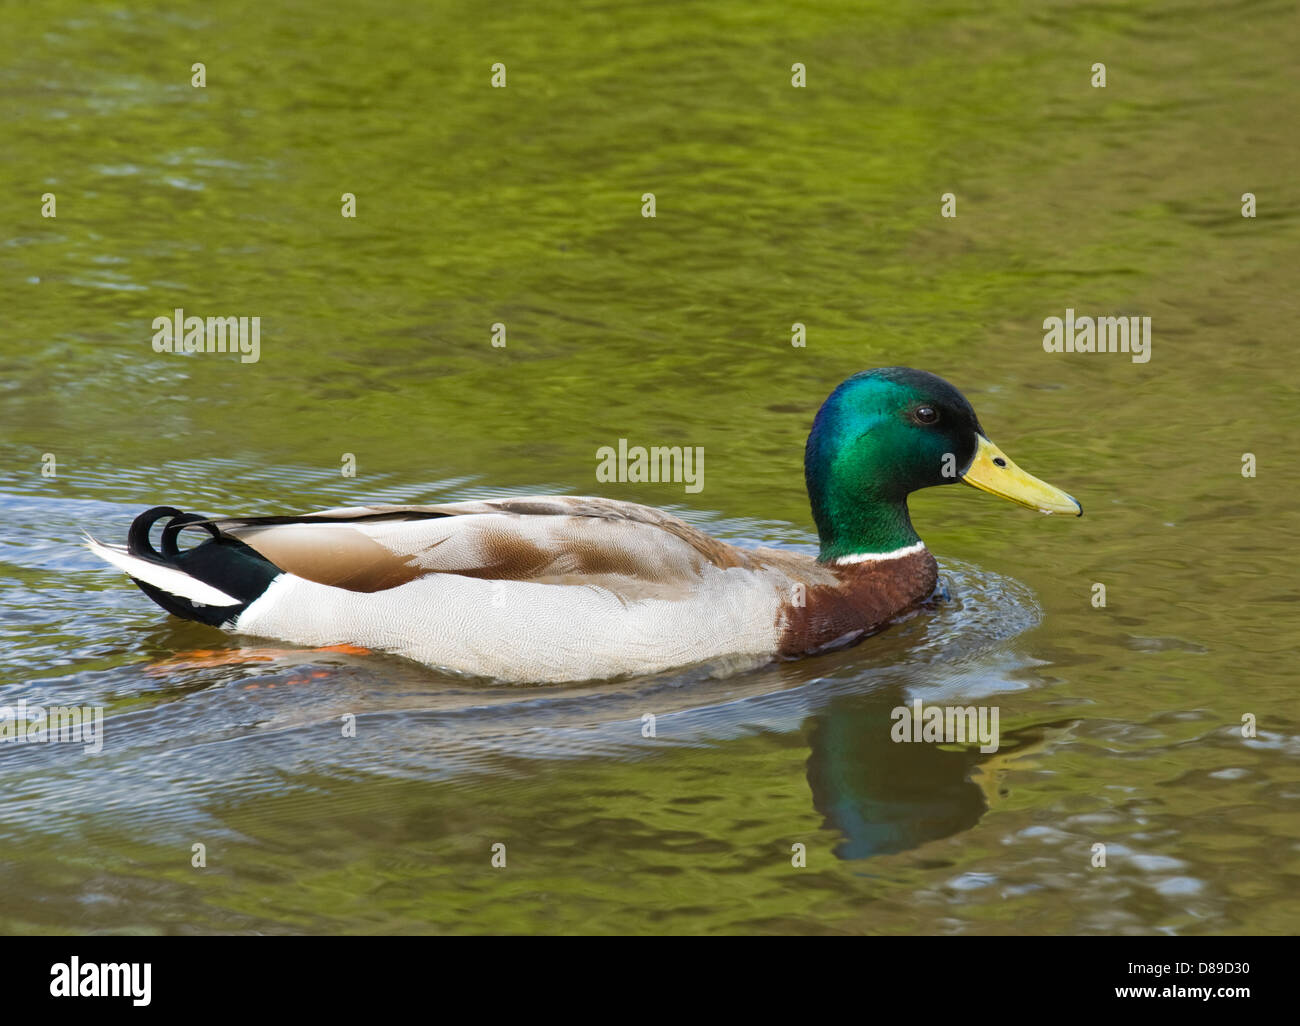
(865, 597)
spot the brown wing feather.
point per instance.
(632, 549)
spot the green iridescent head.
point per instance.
(885, 433)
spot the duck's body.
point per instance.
(569, 588)
(539, 589)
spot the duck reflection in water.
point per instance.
(886, 797)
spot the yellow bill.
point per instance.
(991, 471)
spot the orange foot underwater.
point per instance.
(206, 658)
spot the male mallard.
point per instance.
(568, 588)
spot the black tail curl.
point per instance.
(221, 561)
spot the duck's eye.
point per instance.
(926, 415)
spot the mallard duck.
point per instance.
(561, 588)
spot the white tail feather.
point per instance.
(175, 582)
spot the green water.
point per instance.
(1120, 725)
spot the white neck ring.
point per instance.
(878, 557)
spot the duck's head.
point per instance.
(885, 433)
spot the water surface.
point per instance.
(1119, 725)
